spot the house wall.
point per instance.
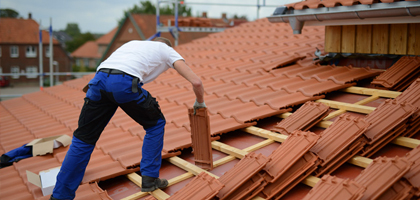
(398, 39)
(7, 62)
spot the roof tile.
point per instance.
(234, 179)
(331, 187)
(413, 176)
(203, 186)
(400, 75)
(381, 174)
(303, 118)
(400, 190)
(200, 136)
(387, 122)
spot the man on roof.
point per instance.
(118, 83)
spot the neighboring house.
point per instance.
(88, 54)
(19, 51)
(62, 37)
(143, 26)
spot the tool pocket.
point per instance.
(151, 108)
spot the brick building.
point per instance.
(19, 51)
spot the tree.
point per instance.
(72, 29)
(79, 41)
(239, 17)
(147, 7)
(8, 13)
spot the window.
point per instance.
(15, 71)
(77, 61)
(86, 62)
(14, 51)
(47, 51)
(30, 51)
(0, 51)
(32, 72)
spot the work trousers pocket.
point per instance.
(151, 108)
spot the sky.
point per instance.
(101, 16)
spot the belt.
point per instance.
(134, 87)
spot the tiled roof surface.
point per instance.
(88, 50)
(251, 73)
(106, 39)
(22, 31)
(312, 4)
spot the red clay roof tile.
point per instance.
(331, 187)
(22, 31)
(203, 186)
(339, 142)
(400, 75)
(387, 122)
(381, 174)
(400, 190)
(200, 136)
(303, 118)
(413, 176)
(246, 168)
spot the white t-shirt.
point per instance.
(143, 59)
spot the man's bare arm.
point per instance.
(182, 68)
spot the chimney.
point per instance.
(224, 16)
(204, 15)
(29, 15)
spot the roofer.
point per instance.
(118, 83)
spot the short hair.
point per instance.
(164, 40)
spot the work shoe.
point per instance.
(149, 184)
(52, 198)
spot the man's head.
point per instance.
(164, 40)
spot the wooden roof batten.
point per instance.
(377, 13)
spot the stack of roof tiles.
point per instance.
(250, 72)
(400, 75)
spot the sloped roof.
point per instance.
(22, 31)
(251, 73)
(106, 39)
(312, 4)
(88, 50)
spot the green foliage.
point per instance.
(148, 7)
(8, 13)
(79, 41)
(72, 29)
(76, 68)
(240, 17)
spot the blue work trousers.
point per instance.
(106, 93)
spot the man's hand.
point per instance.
(198, 105)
